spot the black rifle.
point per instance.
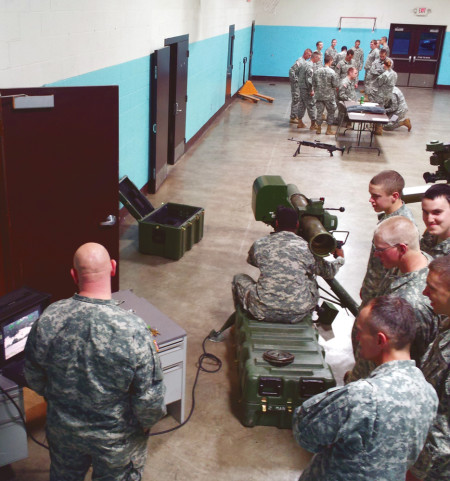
(318, 145)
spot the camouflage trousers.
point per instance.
(401, 114)
(71, 458)
(245, 295)
(307, 103)
(295, 94)
(331, 107)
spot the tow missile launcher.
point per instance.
(440, 158)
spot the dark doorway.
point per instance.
(159, 117)
(59, 184)
(231, 38)
(179, 53)
(416, 51)
(251, 50)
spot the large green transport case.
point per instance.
(270, 393)
(168, 231)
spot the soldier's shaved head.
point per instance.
(398, 230)
(91, 258)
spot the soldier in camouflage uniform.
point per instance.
(376, 69)
(396, 242)
(340, 56)
(286, 290)
(385, 191)
(434, 460)
(383, 86)
(332, 49)
(344, 64)
(307, 102)
(347, 91)
(384, 46)
(374, 53)
(397, 106)
(372, 429)
(295, 89)
(97, 367)
(325, 83)
(436, 216)
(358, 56)
(319, 47)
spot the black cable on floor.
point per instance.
(23, 419)
(218, 365)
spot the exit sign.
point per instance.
(421, 11)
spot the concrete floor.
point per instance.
(249, 140)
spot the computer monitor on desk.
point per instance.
(19, 310)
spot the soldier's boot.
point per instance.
(378, 129)
(319, 129)
(329, 131)
(293, 120)
(313, 126)
(301, 125)
(407, 124)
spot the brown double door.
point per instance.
(416, 51)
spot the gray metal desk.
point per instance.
(172, 342)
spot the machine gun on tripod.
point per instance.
(317, 145)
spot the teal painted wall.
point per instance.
(277, 48)
(241, 50)
(133, 81)
(444, 69)
(207, 71)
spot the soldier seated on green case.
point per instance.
(436, 216)
(286, 290)
(98, 369)
(372, 429)
(434, 460)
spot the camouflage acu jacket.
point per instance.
(97, 367)
(372, 429)
(434, 460)
(429, 244)
(325, 83)
(287, 273)
(410, 286)
(375, 270)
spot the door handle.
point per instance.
(110, 221)
(177, 109)
(410, 58)
(414, 58)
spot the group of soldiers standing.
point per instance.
(320, 82)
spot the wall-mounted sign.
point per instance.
(422, 11)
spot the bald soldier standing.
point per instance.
(98, 369)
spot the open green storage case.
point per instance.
(168, 231)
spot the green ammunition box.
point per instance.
(270, 393)
(168, 231)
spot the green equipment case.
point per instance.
(270, 393)
(168, 231)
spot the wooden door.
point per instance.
(159, 117)
(416, 51)
(179, 52)
(59, 183)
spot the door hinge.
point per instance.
(187, 53)
(186, 98)
(156, 71)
